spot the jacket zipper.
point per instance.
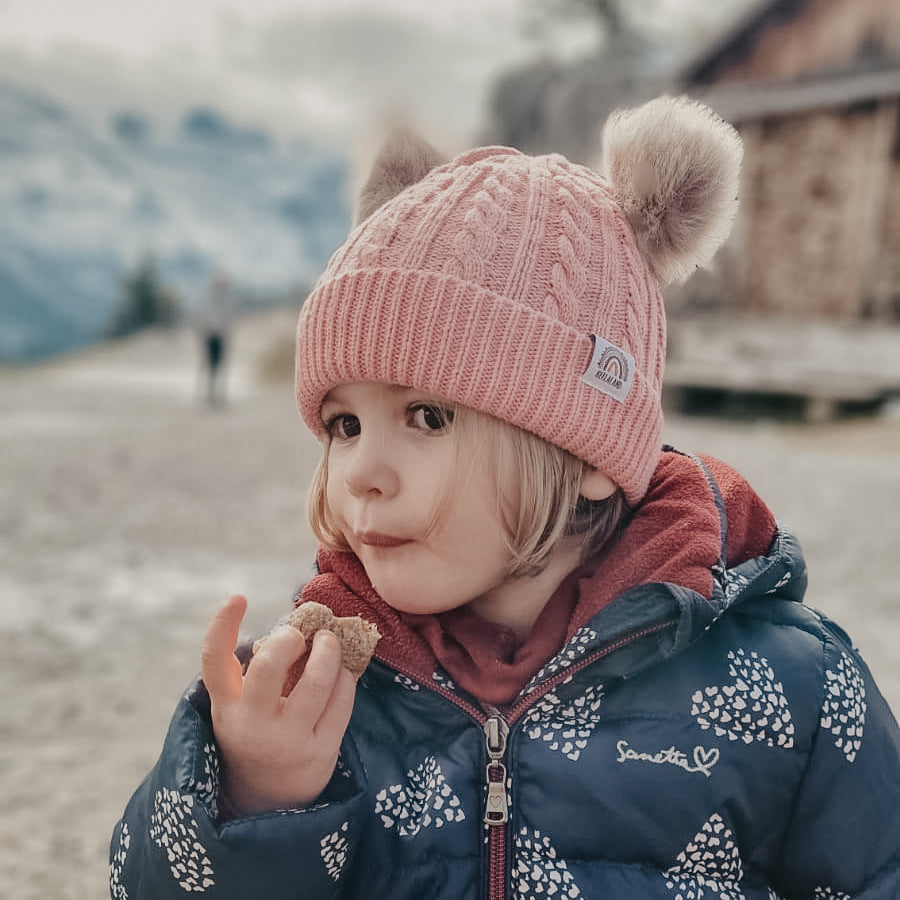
(496, 808)
(496, 733)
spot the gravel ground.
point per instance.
(130, 509)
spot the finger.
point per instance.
(221, 669)
(336, 717)
(266, 674)
(310, 696)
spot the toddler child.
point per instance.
(596, 676)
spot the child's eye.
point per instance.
(343, 426)
(428, 417)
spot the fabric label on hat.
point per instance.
(611, 369)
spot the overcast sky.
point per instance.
(329, 67)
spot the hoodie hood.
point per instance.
(700, 542)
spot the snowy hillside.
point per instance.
(80, 208)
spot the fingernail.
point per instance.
(323, 634)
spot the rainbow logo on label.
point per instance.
(611, 369)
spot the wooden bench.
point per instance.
(815, 371)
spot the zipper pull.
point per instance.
(496, 811)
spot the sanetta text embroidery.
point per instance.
(701, 759)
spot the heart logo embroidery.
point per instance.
(752, 708)
(705, 759)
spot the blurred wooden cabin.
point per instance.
(801, 309)
(814, 88)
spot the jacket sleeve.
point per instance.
(843, 840)
(170, 841)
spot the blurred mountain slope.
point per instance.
(81, 206)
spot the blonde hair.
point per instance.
(541, 506)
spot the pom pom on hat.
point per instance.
(674, 167)
(527, 287)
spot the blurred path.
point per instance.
(130, 510)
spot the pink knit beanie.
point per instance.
(528, 287)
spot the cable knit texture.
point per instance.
(484, 283)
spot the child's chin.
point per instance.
(416, 604)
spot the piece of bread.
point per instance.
(357, 636)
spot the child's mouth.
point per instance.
(377, 539)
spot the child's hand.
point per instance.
(277, 752)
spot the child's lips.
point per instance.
(379, 539)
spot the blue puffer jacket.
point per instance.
(680, 746)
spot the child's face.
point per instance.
(391, 458)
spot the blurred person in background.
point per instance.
(213, 325)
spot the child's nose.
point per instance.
(372, 469)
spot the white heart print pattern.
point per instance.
(565, 727)
(709, 866)
(752, 708)
(539, 873)
(844, 706)
(425, 801)
(334, 849)
(174, 829)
